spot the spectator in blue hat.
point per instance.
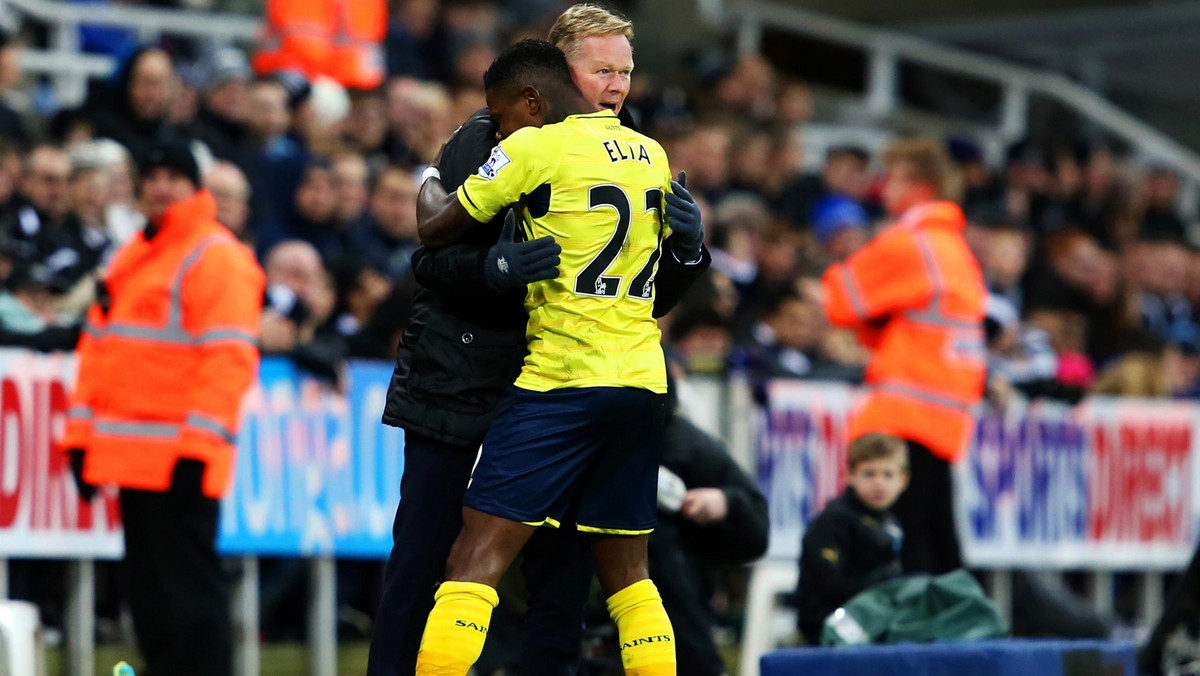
(840, 225)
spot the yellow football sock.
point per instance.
(456, 629)
(644, 630)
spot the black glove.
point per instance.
(87, 492)
(683, 215)
(512, 265)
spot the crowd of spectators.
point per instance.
(1093, 278)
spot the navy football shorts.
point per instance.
(585, 453)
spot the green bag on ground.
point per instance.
(950, 607)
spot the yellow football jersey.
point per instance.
(597, 188)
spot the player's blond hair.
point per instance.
(586, 20)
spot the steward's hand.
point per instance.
(683, 215)
(512, 265)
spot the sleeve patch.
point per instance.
(497, 161)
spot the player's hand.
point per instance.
(437, 161)
(683, 215)
(705, 505)
(87, 492)
(513, 265)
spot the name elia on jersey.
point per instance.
(623, 152)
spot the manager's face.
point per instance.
(601, 68)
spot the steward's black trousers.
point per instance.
(925, 511)
(557, 572)
(178, 594)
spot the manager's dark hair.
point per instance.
(528, 62)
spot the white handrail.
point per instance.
(71, 69)
(886, 49)
(146, 20)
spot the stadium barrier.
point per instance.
(1106, 486)
(317, 477)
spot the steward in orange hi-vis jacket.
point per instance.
(915, 295)
(169, 351)
(340, 39)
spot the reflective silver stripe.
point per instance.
(932, 313)
(79, 413)
(93, 330)
(175, 314)
(856, 300)
(935, 318)
(139, 429)
(173, 333)
(170, 335)
(212, 426)
(218, 335)
(922, 395)
(931, 264)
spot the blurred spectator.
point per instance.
(1136, 374)
(387, 236)
(366, 126)
(1020, 357)
(787, 342)
(471, 61)
(749, 88)
(293, 270)
(27, 303)
(34, 219)
(841, 226)
(352, 176)
(300, 299)
(1161, 274)
(416, 44)
(313, 216)
(133, 109)
(85, 240)
(1183, 367)
(978, 186)
(12, 127)
(418, 120)
(231, 191)
(361, 290)
(706, 159)
(222, 119)
(844, 173)
(277, 159)
(794, 105)
(1004, 260)
(1159, 217)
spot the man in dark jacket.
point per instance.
(717, 517)
(464, 344)
(133, 109)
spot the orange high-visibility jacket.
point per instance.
(340, 39)
(163, 371)
(915, 295)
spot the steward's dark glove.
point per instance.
(683, 215)
(87, 492)
(513, 265)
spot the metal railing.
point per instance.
(886, 51)
(71, 69)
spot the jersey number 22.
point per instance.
(592, 281)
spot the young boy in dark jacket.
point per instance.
(854, 542)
